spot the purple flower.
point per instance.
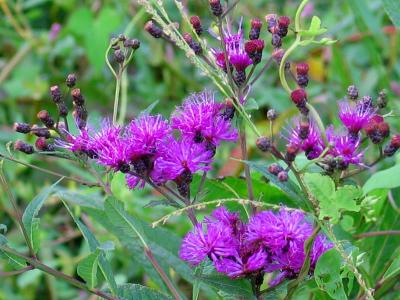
(219, 56)
(54, 31)
(76, 143)
(321, 245)
(133, 181)
(179, 157)
(215, 243)
(237, 55)
(238, 267)
(261, 229)
(225, 218)
(146, 134)
(345, 147)
(198, 118)
(313, 145)
(354, 117)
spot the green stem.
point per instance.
(40, 266)
(116, 97)
(124, 98)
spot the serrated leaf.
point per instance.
(104, 264)
(87, 268)
(327, 274)
(140, 292)
(320, 186)
(387, 179)
(32, 210)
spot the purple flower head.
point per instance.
(225, 218)
(133, 181)
(76, 143)
(112, 149)
(219, 56)
(313, 145)
(320, 246)
(179, 157)
(237, 267)
(261, 229)
(345, 147)
(198, 119)
(215, 243)
(146, 134)
(54, 31)
(354, 117)
(235, 49)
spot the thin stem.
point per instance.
(23, 32)
(377, 233)
(161, 272)
(78, 180)
(15, 60)
(319, 122)
(16, 272)
(124, 98)
(315, 160)
(116, 97)
(17, 211)
(261, 72)
(253, 67)
(243, 146)
(228, 10)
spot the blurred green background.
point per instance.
(42, 41)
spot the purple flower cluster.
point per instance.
(151, 148)
(271, 241)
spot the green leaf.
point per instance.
(251, 104)
(392, 8)
(332, 202)
(15, 261)
(393, 270)
(87, 268)
(104, 264)
(3, 228)
(314, 29)
(3, 240)
(150, 108)
(387, 179)
(238, 287)
(140, 292)
(327, 274)
(36, 234)
(31, 211)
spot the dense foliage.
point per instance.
(199, 150)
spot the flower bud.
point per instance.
(393, 146)
(283, 176)
(46, 119)
(299, 97)
(302, 69)
(22, 127)
(271, 20)
(283, 24)
(41, 132)
(119, 56)
(272, 114)
(42, 145)
(62, 110)
(352, 92)
(275, 169)
(153, 29)
(256, 25)
(216, 7)
(196, 47)
(264, 144)
(304, 129)
(276, 40)
(55, 93)
(23, 147)
(71, 80)
(291, 152)
(196, 23)
(77, 97)
(132, 43)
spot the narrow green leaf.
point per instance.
(238, 287)
(15, 261)
(392, 8)
(387, 179)
(327, 274)
(140, 292)
(87, 268)
(36, 234)
(104, 264)
(393, 270)
(31, 212)
(150, 108)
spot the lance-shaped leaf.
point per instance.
(87, 268)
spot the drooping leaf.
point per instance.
(87, 268)
(104, 264)
(31, 212)
(140, 292)
(327, 274)
(387, 179)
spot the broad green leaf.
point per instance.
(393, 270)
(392, 8)
(104, 264)
(387, 179)
(87, 268)
(140, 292)
(31, 212)
(289, 187)
(93, 199)
(331, 202)
(327, 274)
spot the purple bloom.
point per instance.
(345, 147)
(260, 230)
(215, 243)
(313, 145)
(225, 218)
(133, 181)
(235, 49)
(238, 267)
(54, 31)
(198, 118)
(321, 245)
(76, 143)
(354, 117)
(146, 134)
(219, 56)
(179, 157)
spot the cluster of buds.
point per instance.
(299, 98)
(216, 7)
(278, 27)
(377, 129)
(153, 29)
(123, 47)
(302, 74)
(80, 113)
(278, 171)
(196, 24)
(195, 46)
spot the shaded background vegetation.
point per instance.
(32, 59)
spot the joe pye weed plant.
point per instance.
(309, 244)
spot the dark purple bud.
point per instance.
(22, 127)
(272, 21)
(256, 25)
(302, 69)
(264, 144)
(55, 93)
(42, 145)
(291, 152)
(276, 40)
(119, 56)
(46, 119)
(229, 111)
(41, 132)
(71, 80)
(239, 77)
(275, 169)
(153, 29)
(216, 7)
(77, 97)
(352, 92)
(283, 176)
(272, 114)
(62, 109)
(23, 147)
(196, 23)
(299, 97)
